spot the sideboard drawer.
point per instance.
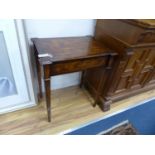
(147, 37)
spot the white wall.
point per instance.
(60, 28)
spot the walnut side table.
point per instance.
(56, 56)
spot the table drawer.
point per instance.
(77, 65)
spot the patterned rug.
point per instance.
(124, 129)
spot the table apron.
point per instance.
(77, 65)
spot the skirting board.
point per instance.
(17, 107)
(62, 81)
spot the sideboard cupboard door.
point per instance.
(136, 72)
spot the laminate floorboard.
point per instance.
(71, 107)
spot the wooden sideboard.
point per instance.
(133, 71)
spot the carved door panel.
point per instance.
(136, 71)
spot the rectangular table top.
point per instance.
(70, 48)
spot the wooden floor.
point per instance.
(71, 107)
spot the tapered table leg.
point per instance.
(48, 98)
(39, 81)
(82, 79)
(38, 66)
(98, 92)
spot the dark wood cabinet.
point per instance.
(133, 70)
